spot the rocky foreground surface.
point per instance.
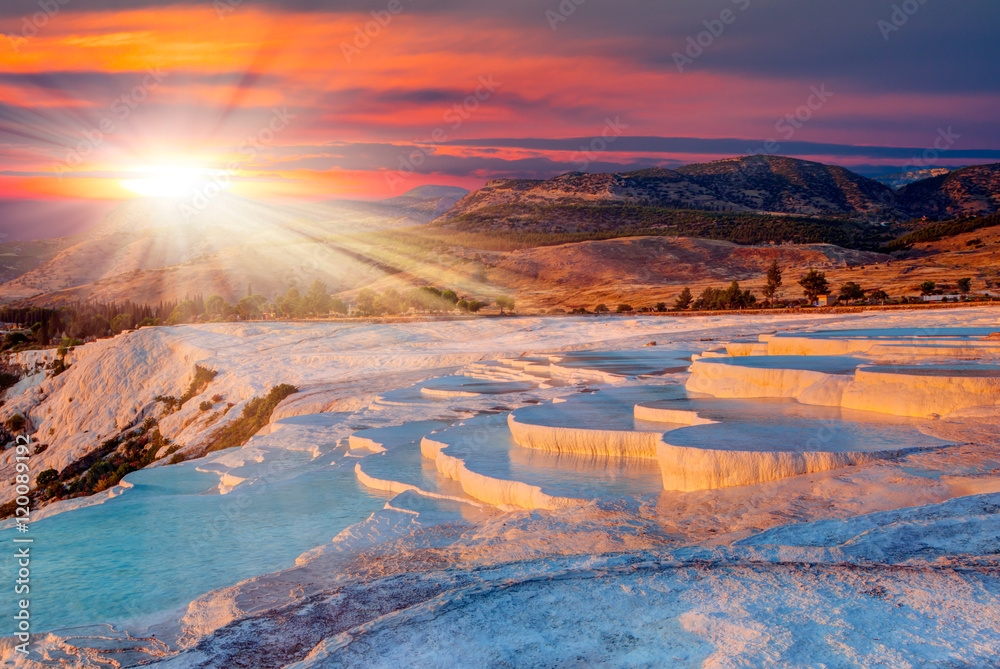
(892, 562)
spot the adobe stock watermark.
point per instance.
(22, 544)
(32, 24)
(120, 110)
(943, 142)
(792, 122)
(365, 33)
(613, 129)
(562, 12)
(714, 29)
(454, 118)
(250, 150)
(899, 17)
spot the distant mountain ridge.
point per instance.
(901, 179)
(773, 185)
(749, 184)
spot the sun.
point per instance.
(175, 181)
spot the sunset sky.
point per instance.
(354, 99)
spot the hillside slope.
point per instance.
(789, 185)
(971, 190)
(646, 270)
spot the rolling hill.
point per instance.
(971, 190)
(772, 184)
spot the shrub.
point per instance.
(202, 377)
(205, 406)
(216, 398)
(177, 459)
(256, 414)
(16, 423)
(169, 402)
(7, 380)
(46, 477)
(601, 309)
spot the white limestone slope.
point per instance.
(111, 384)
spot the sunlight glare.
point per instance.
(175, 181)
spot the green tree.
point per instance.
(389, 302)
(601, 309)
(928, 288)
(183, 313)
(964, 285)
(683, 300)
(814, 284)
(365, 301)
(505, 302)
(625, 308)
(879, 296)
(46, 476)
(773, 281)
(290, 305)
(707, 299)
(215, 305)
(250, 306)
(318, 300)
(338, 306)
(475, 306)
(851, 291)
(122, 322)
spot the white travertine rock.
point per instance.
(687, 469)
(616, 443)
(499, 492)
(737, 349)
(923, 390)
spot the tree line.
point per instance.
(422, 299)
